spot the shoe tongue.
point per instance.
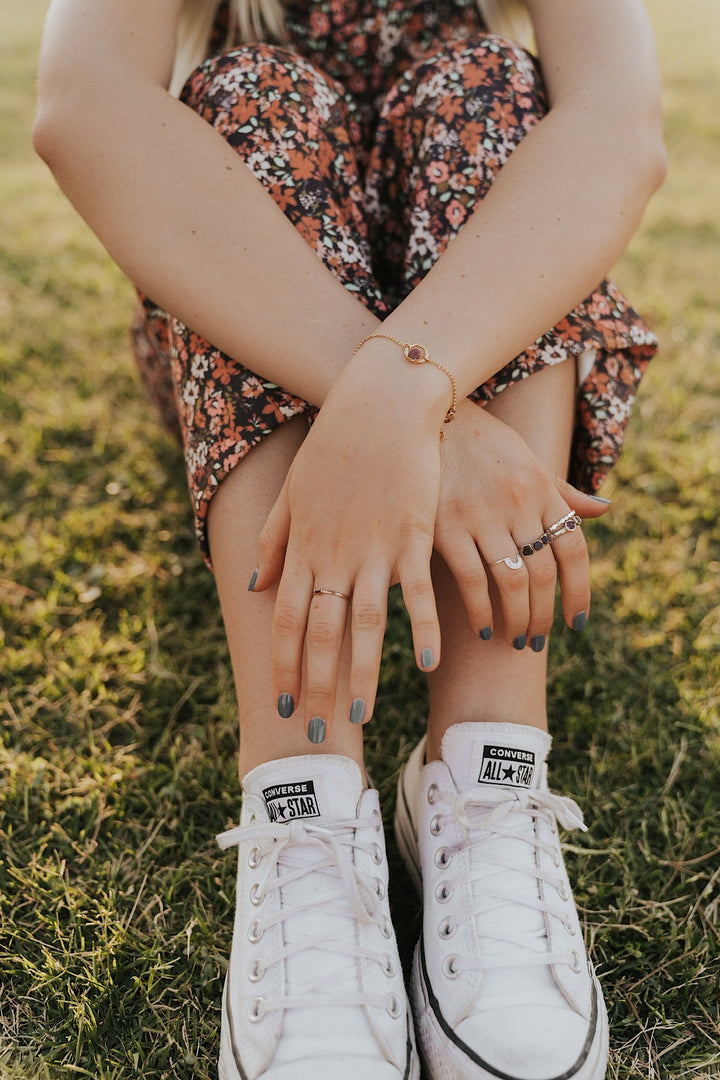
(323, 788)
(497, 755)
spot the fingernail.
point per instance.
(427, 658)
(357, 711)
(253, 579)
(316, 730)
(286, 706)
(486, 633)
(599, 498)
(537, 643)
(519, 642)
(580, 620)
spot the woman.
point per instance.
(294, 212)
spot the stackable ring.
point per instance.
(331, 592)
(568, 523)
(513, 563)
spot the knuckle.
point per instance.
(515, 584)
(321, 635)
(471, 576)
(416, 589)
(367, 617)
(286, 621)
(320, 699)
(545, 573)
(572, 545)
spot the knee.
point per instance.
(491, 73)
(254, 79)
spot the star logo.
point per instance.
(280, 809)
(508, 773)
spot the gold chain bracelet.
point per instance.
(418, 354)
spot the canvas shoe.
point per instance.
(314, 989)
(501, 985)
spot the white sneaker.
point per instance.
(501, 984)
(314, 989)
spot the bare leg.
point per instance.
(492, 681)
(237, 514)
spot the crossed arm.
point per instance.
(527, 255)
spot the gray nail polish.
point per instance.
(286, 706)
(486, 633)
(599, 498)
(427, 658)
(316, 730)
(253, 579)
(357, 711)
(580, 620)
(537, 643)
(519, 642)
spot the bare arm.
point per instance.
(563, 207)
(207, 242)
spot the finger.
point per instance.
(288, 635)
(326, 625)
(368, 618)
(573, 564)
(542, 579)
(511, 578)
(462, 558)
(272, 544)
(419, 598)
(590, 506)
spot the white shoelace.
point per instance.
(299, 849)
(486, 816)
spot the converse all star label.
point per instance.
(287, 802)
(508, 766)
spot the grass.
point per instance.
(118, 739)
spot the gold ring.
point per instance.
(331, 592)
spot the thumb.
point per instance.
(587, 506)
(272, 543)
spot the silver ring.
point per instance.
(568, 523)
(513, 563)
(331, 592)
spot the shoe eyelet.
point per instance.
(436, 826)
(386, 928)
(557, 859)
(563, 891)
(446, 929)
(389, 966)
(254, 858)
(257, 970)
(394, 1006)
(432, 794)
(380, 889)
(256, 894)
(376, 854)
(443, 892)
(255, 1012)
(255, 932)
(442, 858)
(450, 968)
(575, 966)
(570, 928)
(377, 820)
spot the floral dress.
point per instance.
(377, 128)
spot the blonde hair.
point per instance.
(264, 20)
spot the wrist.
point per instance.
(402, 377)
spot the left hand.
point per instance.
(496, 496)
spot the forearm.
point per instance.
(180, 212)
(562, 208)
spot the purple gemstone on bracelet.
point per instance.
(527, 550)
(416, 353)
(538, 545)
(546, 539)
(570, 525)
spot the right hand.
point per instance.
(496, 496)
